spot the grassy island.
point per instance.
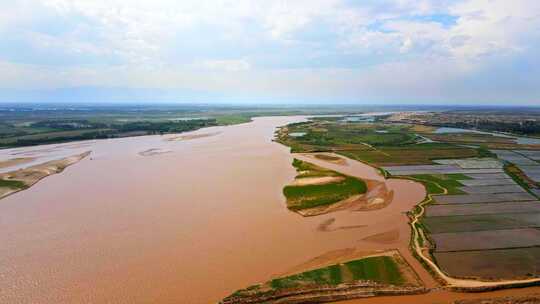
(315, 186)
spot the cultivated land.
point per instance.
(492, 213)
(384, 273)
(475, 230)
(479, 200)
(27, 125)
(315, 188)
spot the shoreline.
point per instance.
(449, 284)
(32, 175)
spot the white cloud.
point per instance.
(226, 65)
(301, 47)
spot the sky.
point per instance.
(246, 51)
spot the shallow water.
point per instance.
(519, 140)
(188, 226)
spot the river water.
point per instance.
(190, 222)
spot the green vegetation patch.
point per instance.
(375, 143)
(420, 154)
(384, 270)
(521, 178)
(12, 184)
(434, 182)
(232, 119)
(328, 135)
(381, 269)
(309, 196)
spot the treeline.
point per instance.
(68, 125)
(103, 130)
(21, 142)
(527, 127)
(165, 127)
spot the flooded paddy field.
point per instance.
(484, 198)
(535, 155)
(487, 239)
(488, 182)
(493, 189)
(492, 264)
(492, 214)
(476, 209)
(479, 222)
(527, 161)
(488, 176)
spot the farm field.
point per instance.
(484, 198)
(315, 186)
(475, 209)
(527, 162)
(360, 278)
(487, 239)
(493, 189)
(480, 222)
(491, 264)
(376, 143)
(476, 204)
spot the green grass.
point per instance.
(232, 119)
(308, 196)
(521, 178)
(410, 155)
(381, 269)
(448, 181)
(12, 184)
(361, 141)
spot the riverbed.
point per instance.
(189, 225)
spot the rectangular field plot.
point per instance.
(513, 157)
(488, 176)
(487, 182)
(439, 169)
(479, 240)
(493, 189)
(491, 264)
(420, 168)
(530, 154)
(481, 222)
(533, 172)
(483, 198)
(521, 161)
(472, 163)
(475, 209)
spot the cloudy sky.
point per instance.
(305, 51)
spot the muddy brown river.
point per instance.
(151, 220)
